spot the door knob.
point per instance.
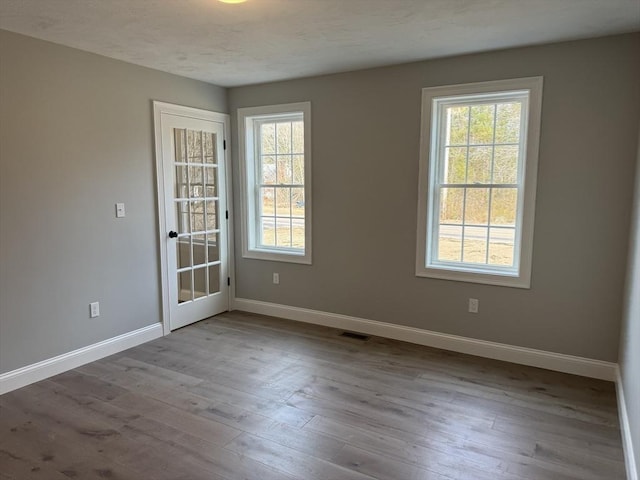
(173, 234)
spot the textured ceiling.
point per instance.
(265, 40)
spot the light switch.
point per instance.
(120, 210)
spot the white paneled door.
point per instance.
(192, 198)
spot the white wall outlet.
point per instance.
(94, 309)
(120, 212)
(276, 278)
(474, 303)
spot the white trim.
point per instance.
(430, 136)
(509, 353)
(53, 366)
(625, 430)
(158, 107)
(246, 146)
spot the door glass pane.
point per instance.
(179, 136)
(214, 278)
(213, 249)
(181, 181)
(197, 216)
(198, 249)
(212, 217)
(182, 216)
(194, 144)
(196, 189)
(184, 286)
(210, 155)
(210, 181)
(199, 282)
(183, 252)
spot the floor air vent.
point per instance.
(357, 336)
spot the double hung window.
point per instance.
(276, 163)
(478, 168)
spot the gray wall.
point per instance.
(365, 134)
(630, 338)
(76, 136)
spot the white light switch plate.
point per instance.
(473, 305)
(120, 210)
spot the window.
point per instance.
(478, 165)
(276, 167)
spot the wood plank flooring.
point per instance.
(242, 396)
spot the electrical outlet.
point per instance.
(276, 278)
(474, 303)
(94, 309)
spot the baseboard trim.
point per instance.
(585, 367)
(53, 366)
(625, 430)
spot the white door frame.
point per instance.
(158, 109)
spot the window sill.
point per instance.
(475, 277)
(276, 256)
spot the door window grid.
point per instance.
(485, 237)
(280, 183)
(196, 206)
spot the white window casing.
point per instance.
(274, 146)
(477, 181)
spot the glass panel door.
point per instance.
(192, 166)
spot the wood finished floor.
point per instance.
(243, 396)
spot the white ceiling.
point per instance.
(266, 40)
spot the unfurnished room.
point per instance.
(320, 239)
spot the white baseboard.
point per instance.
(53, 366)
(625, 430)
(499, 351)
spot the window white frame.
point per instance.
(249, 119)
(433, 101)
